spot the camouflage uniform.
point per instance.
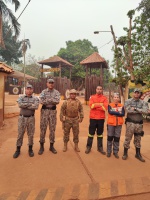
(26, 119)
(48, 99)
(134, 121)
(72, 111)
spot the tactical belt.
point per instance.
(46, 108)
(133, 121)
(26, 115)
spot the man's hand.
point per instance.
(80, 120)
(132, 108)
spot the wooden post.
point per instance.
(70, 77)
(2, 96)
(42, 71)
(86, 80)
(101, 75)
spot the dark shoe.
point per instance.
(116, 155)
(108, 155)
(31, 153)
(88, 149)
(17, 153)
(100, 149)
(52, 149)
(125, 155)
(138, 155)
(41, 149)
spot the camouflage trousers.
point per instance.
(48, 117)
(132, 128)
(113, 138)
(67, 125)
(23, 124)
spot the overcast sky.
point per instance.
(48, 24)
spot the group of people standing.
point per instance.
(71, 114)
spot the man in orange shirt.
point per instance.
(98, 104)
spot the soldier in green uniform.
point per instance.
(135, 107)
(27, 104)
(71, 115)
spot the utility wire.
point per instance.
(105, 44)
(17, 19)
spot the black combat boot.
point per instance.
(31, 153)
(125, 155)
(52, 149)
(89, 145)
(17, 153)
(41, 148)
(138, 155)
(100, 145)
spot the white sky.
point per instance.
(48, 24)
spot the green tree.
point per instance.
(6, 14)
(74, 53)
(12, 51)
(25, 44)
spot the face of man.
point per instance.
(136, 95)
(73, 96)
(50, 85)
(99, 90)
(29, 91)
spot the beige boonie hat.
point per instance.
(72, 91)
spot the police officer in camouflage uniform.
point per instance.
(71, 115)
(135, 107)
(49, 98)
(28, 104)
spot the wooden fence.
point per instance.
(61, 84)
(91, 82)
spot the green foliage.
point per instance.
(12, 51)
(74, 53)
(140, 44)
(31, 68)
(6, 14)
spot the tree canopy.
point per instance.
(133, 49)
(12, 51)
(74, 53)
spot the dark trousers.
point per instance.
(96, 125)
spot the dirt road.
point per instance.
(82, 176)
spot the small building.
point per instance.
(4, 71)
(15, 82)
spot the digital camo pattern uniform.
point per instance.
(134, 123)
(26, 119)
(49, 99)
(72, 111)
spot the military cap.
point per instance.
(29, 86)
(72, 91)
(50, 80)
(136, 90)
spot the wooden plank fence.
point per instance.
(61, 84)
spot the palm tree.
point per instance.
(6, 14)
(25, 44)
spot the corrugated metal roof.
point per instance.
(55, 61)
(5, 68)
(94, 60)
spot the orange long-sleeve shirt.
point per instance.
(98, 104)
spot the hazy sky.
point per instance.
(50, 23)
